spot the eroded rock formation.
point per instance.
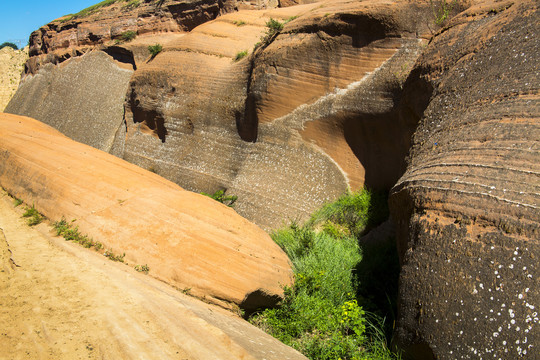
(302, 118)
(468, 207)
(188, 240)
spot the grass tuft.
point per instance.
(155, 49)
(34, 217)
(240, 55)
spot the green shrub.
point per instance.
(34, 217)
(128, 35)
(322, 315)
(273, 27)
(240, 55)
(220, 196)
(359, 212)
(17, 202)
(9, 44)
(441, 10)
(155, 49)
(71, 233)
(239, 22)
(142, 268)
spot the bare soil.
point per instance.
(61, 301)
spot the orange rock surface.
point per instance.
(188, 240)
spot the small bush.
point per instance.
(220, 196)
(240, 55)
(273, 27)
(9, 44)
(155, 49)
(142, 268)
(128, 35)
(239, 22)
(17, 202)
(34, 217)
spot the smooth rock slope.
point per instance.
(188, 240)
(468, 207)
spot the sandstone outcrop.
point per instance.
(188, 240)
(298, 121)
(468, 207)
(11, 66)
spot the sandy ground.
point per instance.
(61, 301)
(11, 67)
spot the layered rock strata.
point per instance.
(188, 240)
(468, 207)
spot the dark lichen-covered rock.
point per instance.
(468, 207)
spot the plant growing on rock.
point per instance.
(128, 35)
(220, 196)
(155, 49)
(240, 55)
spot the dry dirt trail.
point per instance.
(61, 301)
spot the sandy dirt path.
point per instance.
(61, 301)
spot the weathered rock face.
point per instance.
(188, 240)
(11, 66)
(467, 208)
(305, 117)
(309, 125)
(81, 98)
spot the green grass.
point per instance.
(17, 202)
(240, 55)
(34, 217)
(239, 22)
(330, 312)
(220, 196)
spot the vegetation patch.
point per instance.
(142, 268)
(329, 313)
(155, 49)
(240, 55)
(441, 10)
(220, 196)
(9, 44)
(34, 217)
(128, 35)
(239, 22)
(71, 233)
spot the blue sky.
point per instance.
(19, 18)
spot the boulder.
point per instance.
(188, 240)
(467, 209)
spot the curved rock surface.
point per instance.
(188, 240)
(468, 206)
(287, 128)
(61, 301)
